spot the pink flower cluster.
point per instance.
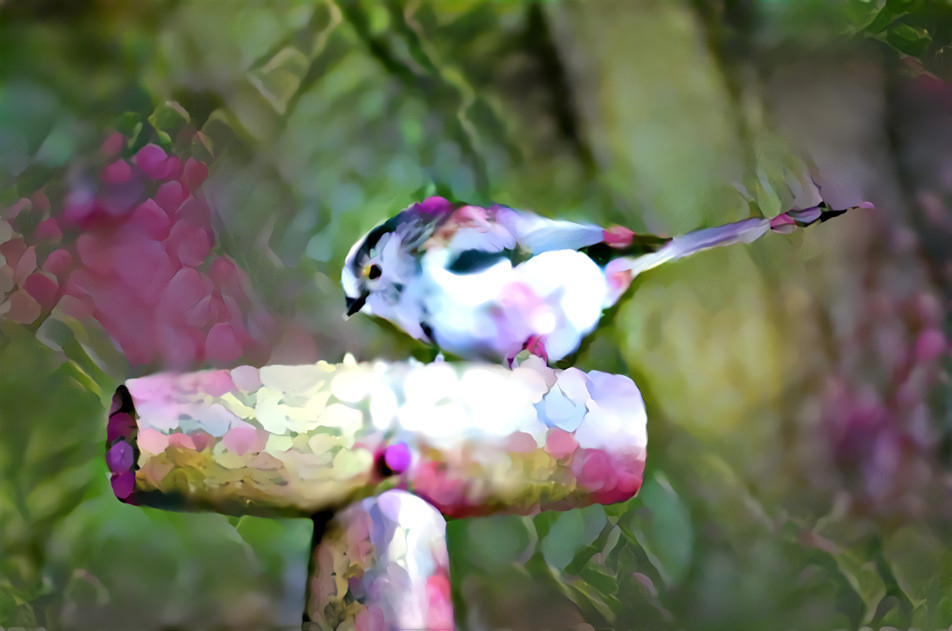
(881, 434)
(133, 249)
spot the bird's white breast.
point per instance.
(557, 295)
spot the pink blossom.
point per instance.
(12, 250)
(183, 292)
(48, 230)
(170, 196)
(23, 308)
(188, 243)
(135, 257)
(117, 172)
(25, 265)
(42, 288)
(222, 344)
(194, 173)
(930, 345)
(58, 263)
(151, 219)
(196, 211)
(152, 160)
(112, 145)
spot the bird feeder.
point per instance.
(378, 455)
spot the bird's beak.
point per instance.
(356, 304)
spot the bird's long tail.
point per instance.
(731, 233)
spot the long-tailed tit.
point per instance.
(490, 282)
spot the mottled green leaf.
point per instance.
(891, 11)
(908, 39)
(864, 577)
(862, 13)
(497, 541)
(922, 566)
(570, 532)
(169, 117)
(663, 528)
(279, 79)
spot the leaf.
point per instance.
(909, 40)
(217, 133)
(261, 534)
(890, 12)
(922, 566)
(862, 13)
(33, 177)
(864, 579)
(279, 79)
(15, 608)
(128, 124)
(496, 541)
(605, 584)
(558, 546)
(543, 522)
(72, 338)
(50, 454)
(170, 117)
(572, 531)
(767, 197)
(663, 530)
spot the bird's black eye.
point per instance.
(374, 272)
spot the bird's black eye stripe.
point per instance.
(374, 272)
(374, 236)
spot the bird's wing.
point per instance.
(540, 234)
(475, 260)
(483, 239)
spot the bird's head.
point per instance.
(386, 260)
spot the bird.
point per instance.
(487, 283)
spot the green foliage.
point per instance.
(915, 28)
(662, 529)
(48, 464)
(324, 117)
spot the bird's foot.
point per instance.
(536, 345)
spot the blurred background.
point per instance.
(181, 179)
